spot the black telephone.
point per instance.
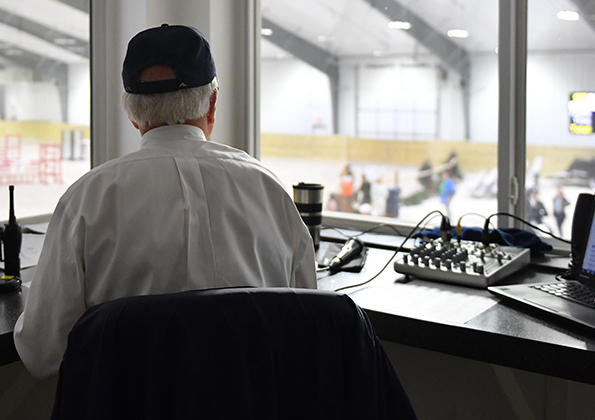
(581, 226)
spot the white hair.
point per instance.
(169, 107)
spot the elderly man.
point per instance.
(179, 214)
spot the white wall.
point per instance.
(552, 78)
(423, 103)
(483, 121)
(398, 101)
(295, 98)
(451, 109)
(390, 100)
(32, 101)
(79, 94)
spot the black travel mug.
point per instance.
(308, 200)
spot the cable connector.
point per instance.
(445, 229)
(459, 229)
(485, 233)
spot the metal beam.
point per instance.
(312, 55)
(44, 68)
(448, 51)
(82, 5)
(587, 11)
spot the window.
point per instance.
(382, 102)
(44, 102)
(394, 90)
(560, 138)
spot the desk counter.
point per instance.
(469, 323)
(449, 319)
(11, 307)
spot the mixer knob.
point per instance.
(462, 266)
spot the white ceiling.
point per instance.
(345, 28)
(46, 29)
(355, 28)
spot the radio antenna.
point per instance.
(11, 216)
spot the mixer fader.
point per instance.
(467, 263)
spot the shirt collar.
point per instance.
(167, 134)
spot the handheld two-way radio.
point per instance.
(11, 237)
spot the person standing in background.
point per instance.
(447, 190)
(394, 198)
(560, 204)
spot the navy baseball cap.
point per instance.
(182, 48)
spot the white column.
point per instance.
(235, 41)
(233, 29)
(113, 23)
(512, 74)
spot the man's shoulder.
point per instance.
(208, 154)
(101, 173)
(224, 151)
(228, 155)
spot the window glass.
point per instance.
(394, 109)
(44, 102)
(560, 107)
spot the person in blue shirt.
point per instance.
(447, 190)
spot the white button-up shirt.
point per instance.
(182, 213)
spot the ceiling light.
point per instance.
(377, 53)
(397, 24)
(266, 32)
(458, 33)
(322, 38)
(567, 15)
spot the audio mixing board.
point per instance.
(466, 263)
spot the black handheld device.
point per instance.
(10, 247)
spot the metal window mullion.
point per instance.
(512, 71)
(252, 83)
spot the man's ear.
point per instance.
(135, 125)
(212, 108)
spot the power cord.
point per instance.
(399, 249)
(486, 232)
(445, 233)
